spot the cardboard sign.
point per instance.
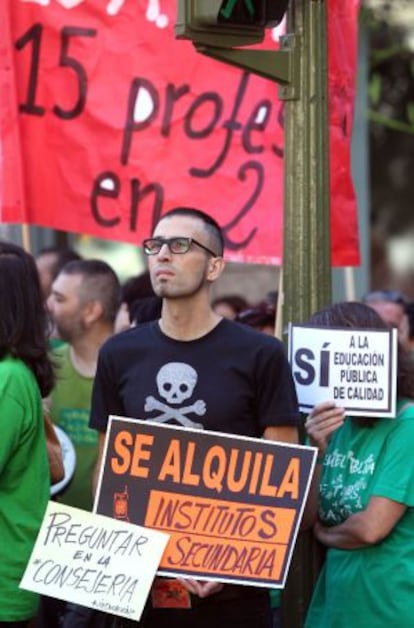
(107, 121)
(231, 504)
(94, 561)
(356, 368)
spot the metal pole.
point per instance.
(300, 68)
(306, 254)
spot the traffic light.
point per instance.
(259, 13)
(227, 23)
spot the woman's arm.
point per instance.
(365, 528)
(324, 419)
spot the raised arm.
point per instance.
(321, 423)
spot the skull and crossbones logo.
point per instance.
(176, 382)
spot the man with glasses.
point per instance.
(196, 369)
(392, 307)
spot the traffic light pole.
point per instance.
(281, 66)
(300, 68)
(307, 274)
(306, 253)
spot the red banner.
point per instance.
(112, 122)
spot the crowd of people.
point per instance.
(77, 346)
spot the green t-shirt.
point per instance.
(370, 587)
(275, 597)
(24, 484)
(70, 407)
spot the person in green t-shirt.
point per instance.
(364, 511)
(26, 374)
(83, 304)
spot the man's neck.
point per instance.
(181, 321)
(84, 351)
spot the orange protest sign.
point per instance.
(232, 505)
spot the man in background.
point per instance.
(83, 305)
(49, 263)
(392, 307)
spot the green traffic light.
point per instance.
(228, 9)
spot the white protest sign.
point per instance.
(356, 368)
(95, 561)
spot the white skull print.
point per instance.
(176, 382)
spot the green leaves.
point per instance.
(374, 88)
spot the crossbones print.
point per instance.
(176, 382)
(199, 407)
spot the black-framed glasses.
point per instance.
(178, 245)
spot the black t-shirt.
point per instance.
(233, 380)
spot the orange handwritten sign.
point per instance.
(231, 505)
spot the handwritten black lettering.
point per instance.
(61, 531)
(34, 36)
(91, 581)
(245, 561)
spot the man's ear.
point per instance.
(215, 268)
(92, 311)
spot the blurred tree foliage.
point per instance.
(391, 91)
